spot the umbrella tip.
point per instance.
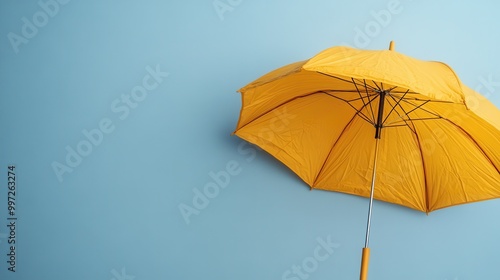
(391, 46)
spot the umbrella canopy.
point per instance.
(377, 124)
(439, 142)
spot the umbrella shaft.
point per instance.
(378, 129)
(371, 194)
(378, 125)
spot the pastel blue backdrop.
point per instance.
(118, 117)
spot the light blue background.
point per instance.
(118, 212)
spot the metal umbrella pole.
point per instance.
(378, 128)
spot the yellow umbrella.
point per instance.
(347, 116)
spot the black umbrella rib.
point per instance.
(416, 107)
(430, 100)
(436, 116)
(359, 93)
(356, 84)
(423, 109)
(426, 119)
(424, 170)
(394, 124)
(392, 88)
(474, 141)
(342, 90)
(371, 107)
(394, 107)
(348, 100)
(402, 118)
(381, 87)
(279, 105)
(344, 80)
(358, 111)
(409, 92)
(411, 124)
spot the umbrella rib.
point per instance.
(409, 93)
(475, 142)
(379, 88)
(394, 107)
(366, 86)
(390, 90)
(371, 107)
(359, 93)
(346, 100)
(356, 99)
(358, 111)
(426, 189)
(331, 149)
(393, 124)
(416, 107)
(339, 90)
(344, 80)
(423, 109)
(425, 102)
(430, 100)
(277, 106)
(402, 118)
(410, 120)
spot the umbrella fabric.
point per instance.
(439, 139)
